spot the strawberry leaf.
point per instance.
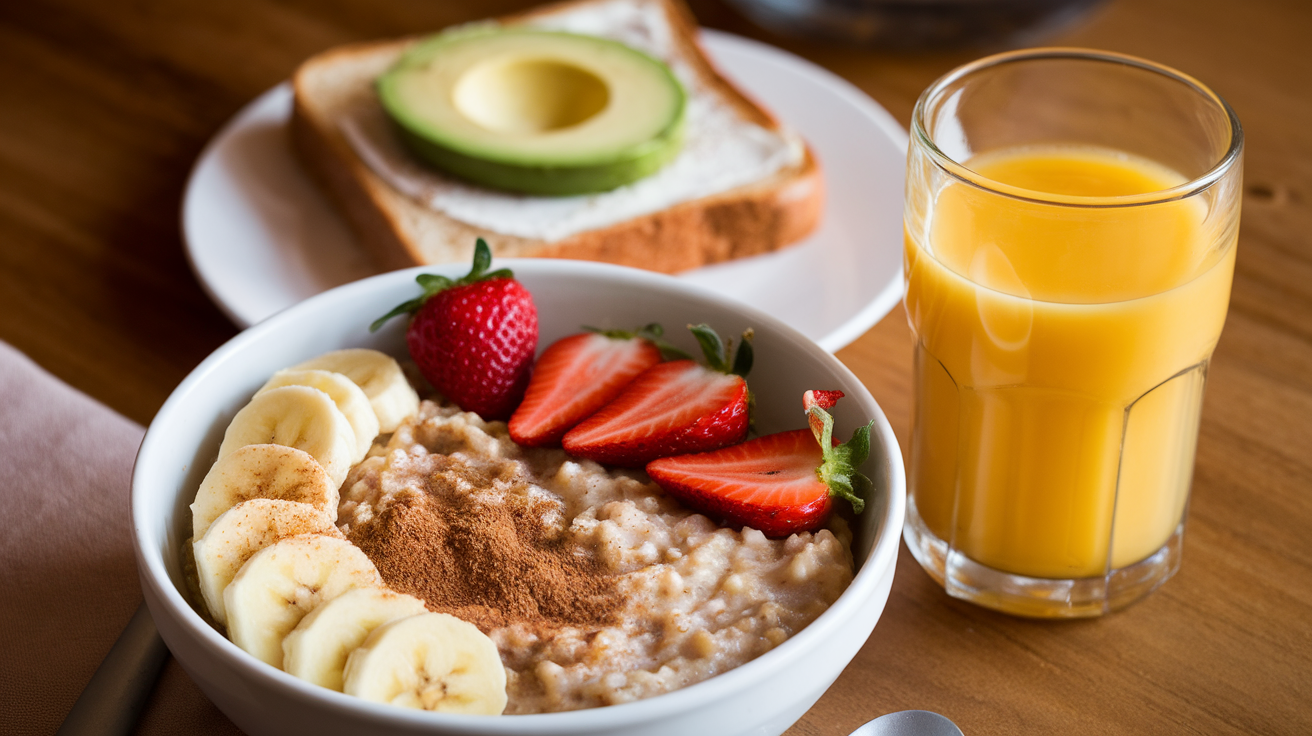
(433, 284)
(404, 308)
(712, 347)
(479, 272)
(717, 351)
(742, 360)
(839, 470)
(651, 333)
(859, 445)
(482, 258)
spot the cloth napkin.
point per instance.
(68, 580)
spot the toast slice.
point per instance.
(406, 214)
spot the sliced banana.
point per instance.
(262, 471)
(317, 648)
(295, 416)
(381, 378)
(283, 582)
(239, 533)
(350, 400)
(431, 661)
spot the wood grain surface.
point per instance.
(105, 106)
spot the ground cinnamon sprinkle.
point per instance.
(490, 562)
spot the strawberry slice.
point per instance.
(575, 377)
(822, 399)
(768, 483)
(780, 484)
(671, 408)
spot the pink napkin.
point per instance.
(68, 581)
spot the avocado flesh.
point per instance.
(538, 112)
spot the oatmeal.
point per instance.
(596, 586)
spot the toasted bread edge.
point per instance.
(397, 232)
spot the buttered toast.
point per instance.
(743, 184)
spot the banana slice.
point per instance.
(283, 582)
(431, 661)
(379, 375)
(350, 400)
(295, 416)
(316, 650)
(239, 533)
(262, 471)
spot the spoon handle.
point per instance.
(112, 701)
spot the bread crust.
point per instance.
(399, 232)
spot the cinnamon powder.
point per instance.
(487, 558)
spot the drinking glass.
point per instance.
(1071, 219)
(909, 24)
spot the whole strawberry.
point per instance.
(473, 338)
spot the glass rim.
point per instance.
(957, 170)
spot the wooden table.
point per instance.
(104, 107)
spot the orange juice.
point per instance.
(1060, 356)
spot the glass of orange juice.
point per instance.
(1071, 219)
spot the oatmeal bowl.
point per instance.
(449, 561)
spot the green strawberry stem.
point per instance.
(652, 333)
(717, 351)
(839, 468)
(433, 284)
(717, 358)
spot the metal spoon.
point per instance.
(909, 723)
(113, 700)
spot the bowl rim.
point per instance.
(879, 561)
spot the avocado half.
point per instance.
(541, 112)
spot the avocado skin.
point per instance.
(491, 169)
(553, 181)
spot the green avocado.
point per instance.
(533, 111)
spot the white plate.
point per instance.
(261, 237)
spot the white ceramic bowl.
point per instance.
(763, 697)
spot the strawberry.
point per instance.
(671, 408)
(473, 338)
(578, 375)
(780, 483)
(822, 399)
